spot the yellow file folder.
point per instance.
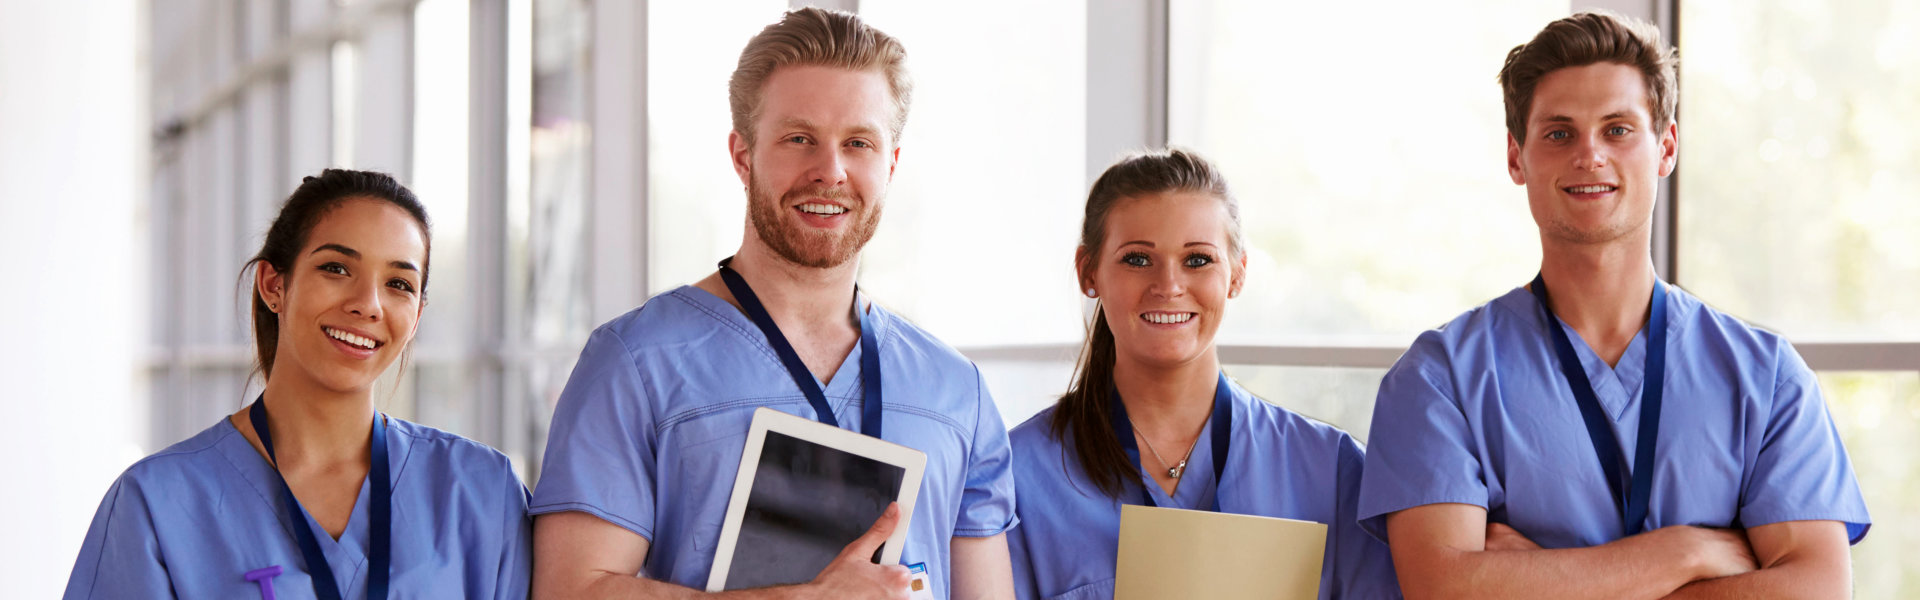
(1175, 553)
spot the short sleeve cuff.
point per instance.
(560, 507)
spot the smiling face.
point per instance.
(1593, 157)
(349, 305)
(1163, 276)
(817, 173)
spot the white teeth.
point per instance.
(349, 338)
(1167, 318)
(1590, 189)
(822, 209)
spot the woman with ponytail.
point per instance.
(308, 490)
(1151, 419)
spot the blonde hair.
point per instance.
(1583, 39)
(817, 37)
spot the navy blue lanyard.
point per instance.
(1632, 501)
(1222, 433)
(869, 356)
(379, 555)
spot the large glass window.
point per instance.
(697, 208)
(1878, 414)
(1798, 154)
(1367, 147)
(1342, 397)
(984, 210)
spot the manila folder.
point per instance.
(1175, 553)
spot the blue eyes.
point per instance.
(1562, 134)
(1139, 259)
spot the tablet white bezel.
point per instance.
(765, 419)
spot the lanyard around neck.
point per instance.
(1221, 421)
(380, 553)
(802, 377)
(1631, 501)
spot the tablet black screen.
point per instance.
(808, 502)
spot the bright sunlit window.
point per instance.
(697, 208)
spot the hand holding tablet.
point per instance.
(853, 573)
(806, 496)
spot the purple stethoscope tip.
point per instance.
(264, 577)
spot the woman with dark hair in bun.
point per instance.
(309, 489)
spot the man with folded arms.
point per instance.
(1599, 433)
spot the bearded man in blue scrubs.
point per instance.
(649, 431)
(1599, 433)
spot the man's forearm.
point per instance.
(1787, 579)
(1642, 566)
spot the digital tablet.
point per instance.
(803, 492)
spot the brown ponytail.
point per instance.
(1085, 410)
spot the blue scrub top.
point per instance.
(1280, 464)
(1477, 412)
(192, 520)
(649, 430)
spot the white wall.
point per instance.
(72, 166)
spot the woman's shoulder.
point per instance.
(446, 453)
(1035, 433)
(198, 453)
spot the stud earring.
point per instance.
(1092, 294)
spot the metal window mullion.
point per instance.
(383, 137)
(309, 139)
(1126, 79)
(486, 209)
(618, 171)
(1860, 356)
(852, 6)
(1666, 227)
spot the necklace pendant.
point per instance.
(1175, 471)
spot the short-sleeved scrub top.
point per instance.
(1279, 464)
(650, 428)
(192, 520)
(1478, 412)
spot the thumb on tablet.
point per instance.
(869, 543)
